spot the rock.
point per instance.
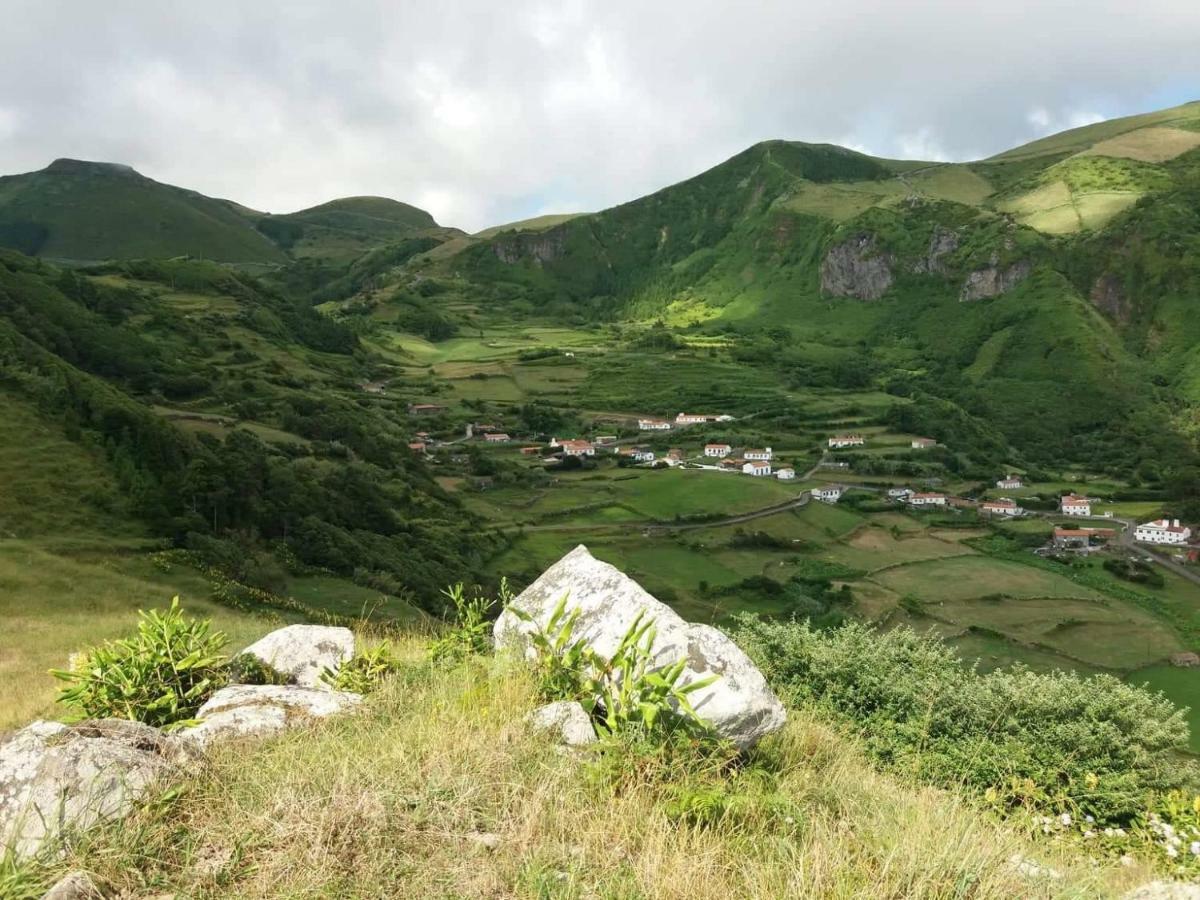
(568, 720)
(855, 268)
(538, 247)
(303, 652)
(56, 778)
(994, 280)
(941, 244)
(1108, 296)
(259, 710)
(74, 886)
(1165, 890)
(1185, 659)
(739, 705)
(1034, 871)
(485, 839)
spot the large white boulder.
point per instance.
(303, 652)
(739, 705)
(56, 779)
(260, 710)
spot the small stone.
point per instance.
(74, 886)
(1027, 868)
(261, 710)
(568, 721)
(488, 840)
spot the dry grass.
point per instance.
(1148, 144)
(391, 803)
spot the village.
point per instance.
(764, 462)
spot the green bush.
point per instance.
(470, 630)
(364, 671)
(246, 668)
(161, 676)
(1089, 746)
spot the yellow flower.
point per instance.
(990, 795)
(1196, 803)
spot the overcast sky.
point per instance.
(486, 112)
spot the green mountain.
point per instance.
(79, 211)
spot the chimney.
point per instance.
(1176, 523)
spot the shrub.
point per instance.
(469, 632)
(161, 675)
(246, 668)
(1089, 746)
(364, 671)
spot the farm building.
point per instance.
(425, 409)
(785, 474)
(576, 448)
(675, 454)
(760, 455)
(692, 419)
(732, 463)
(530, 451)
(497, 437)
(417, 446)
(927, 499)
(653, 425)
(1072, 538)
(838, 441)
(637, 454)
(1073, 505)
(923, 443)
(373, 387)
(899, 493)
(757, 468)
(1001, 507)
(605, 439)
(831, 493)
(1010, 482)
(718, 451)
(1162, 531)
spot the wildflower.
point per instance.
(1172, 852)
(1091, 834)
(1195, 848)
(1091, 820)
(1065, 818)
(1126, 860)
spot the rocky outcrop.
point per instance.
(74, 886)
(856, 268)
(1108, 296)
(539, 247)
(994, 280)
(1165, 890)
(260, 710)
(1185, 659)
(942, 243)
(566, 721)
(738, 704)
(56, 779)
(303, 652)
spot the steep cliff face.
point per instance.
(538, 247)
(994, 280)
(1108, 295)
(942, 243)
(856, 268)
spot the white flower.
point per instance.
(1089, 833)
(1126, 860)
(1195, 848)
(1065, 818)
(1089, 819)
(1172, 852)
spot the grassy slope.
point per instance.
(93, 211)
(386, 803)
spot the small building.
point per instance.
(899, 493)
(577, 448)
(831, 493)
(425, 409)
(1010, 483)
(695, 419)
(923, 443)
(637, 454)
(839, 441)
(717, 451)
(497, 437)
(1162, 531)
(1074, 505)
(530, 451)
(675, 454)
(927, 499)
(1072, 538)
(417, 446)
(760, 455)
(732, 463)
(653, 425)
(757, 468)
(1001, 507)
(373, 387)
(785, 474)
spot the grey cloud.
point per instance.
(485, 112)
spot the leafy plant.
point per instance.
(468, 633)
(624, 693)
(161, 675)
(364, 671)
(246, 668)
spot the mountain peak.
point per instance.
(65, 165)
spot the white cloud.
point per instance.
(482, 112)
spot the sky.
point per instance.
(487, 112)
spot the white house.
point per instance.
(637, 454)
(1001, 507)
(1073, 505)
(577, 448)
(756, 468)
(654, 425)
(717, 451)
(1010, 482)
(899, 493)
(763, 454)
(923, 443)
(927, 499)
(497, 437)
(606, 439)
(1162, 531)
(691, 419)
(838, 441)
(785, 474)
(831, 493)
